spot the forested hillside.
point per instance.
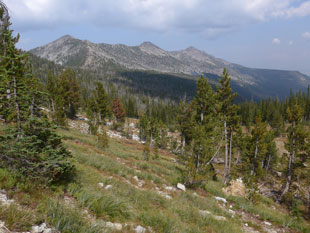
(118, 150)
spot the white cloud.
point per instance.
(207, 17)
(300, 11)
(276, 41)
(306, 35)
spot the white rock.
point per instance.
(35, 229)
(136, 178)
(232, 212)
(39, 229)
(48, 230)
(4, 199)
(246, 224)
(221, 199)
(220, 218)
(108, 187)
(267, 223)
(181, 187)
(101, 185)
(114, 226)
(140, 229)
(170, 188)
(205, 212)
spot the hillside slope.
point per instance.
(117, 190)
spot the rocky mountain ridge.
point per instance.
(72, 52)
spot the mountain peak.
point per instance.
(191, 48)
(150, 48)
(66, 37)
(148, 44)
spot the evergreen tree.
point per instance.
(256, 150)
(30, 146)
(228, 111)
(68, 93)
(297, 144)
(204, 135)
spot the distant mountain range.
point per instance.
(191, 62)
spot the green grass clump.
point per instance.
(69, 220)
(102, 204)
(17, 218)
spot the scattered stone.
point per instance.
(108, 187)
(42, 229)
(163, 194)
(236, 188)
(101, 185)
(140, 229)
(195, 194)
(246, 224)
(114, 226)
(219, 218)
(221, 199)
(279, 174)
(170, 188)
(4, 199)
(232, 212)
(205, 212)
(181, 187)
(219, 160)
(267, 223)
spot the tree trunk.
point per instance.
(53, 106)
(197, 162)
(230, 153)
(16, 106)
(32, 107)
(255, 157)
(226, 153)
(290, 165)
(308, 197)
(238, 157)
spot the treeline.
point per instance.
(274, 111)
(212, 126)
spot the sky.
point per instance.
(255, 33)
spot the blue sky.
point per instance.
(255, 33)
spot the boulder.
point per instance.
(140, 229)
(108, 187)
(221, 199)
(114, 226)
(236, 188)
(181, 187)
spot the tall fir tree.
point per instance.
(228, 111)
(204, 135)
(297, 144)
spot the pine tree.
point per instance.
(68, 93)
(30, 146)
(257, 146)
(228, 111)
(204, 135)
(297, 144)
(14, 75)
